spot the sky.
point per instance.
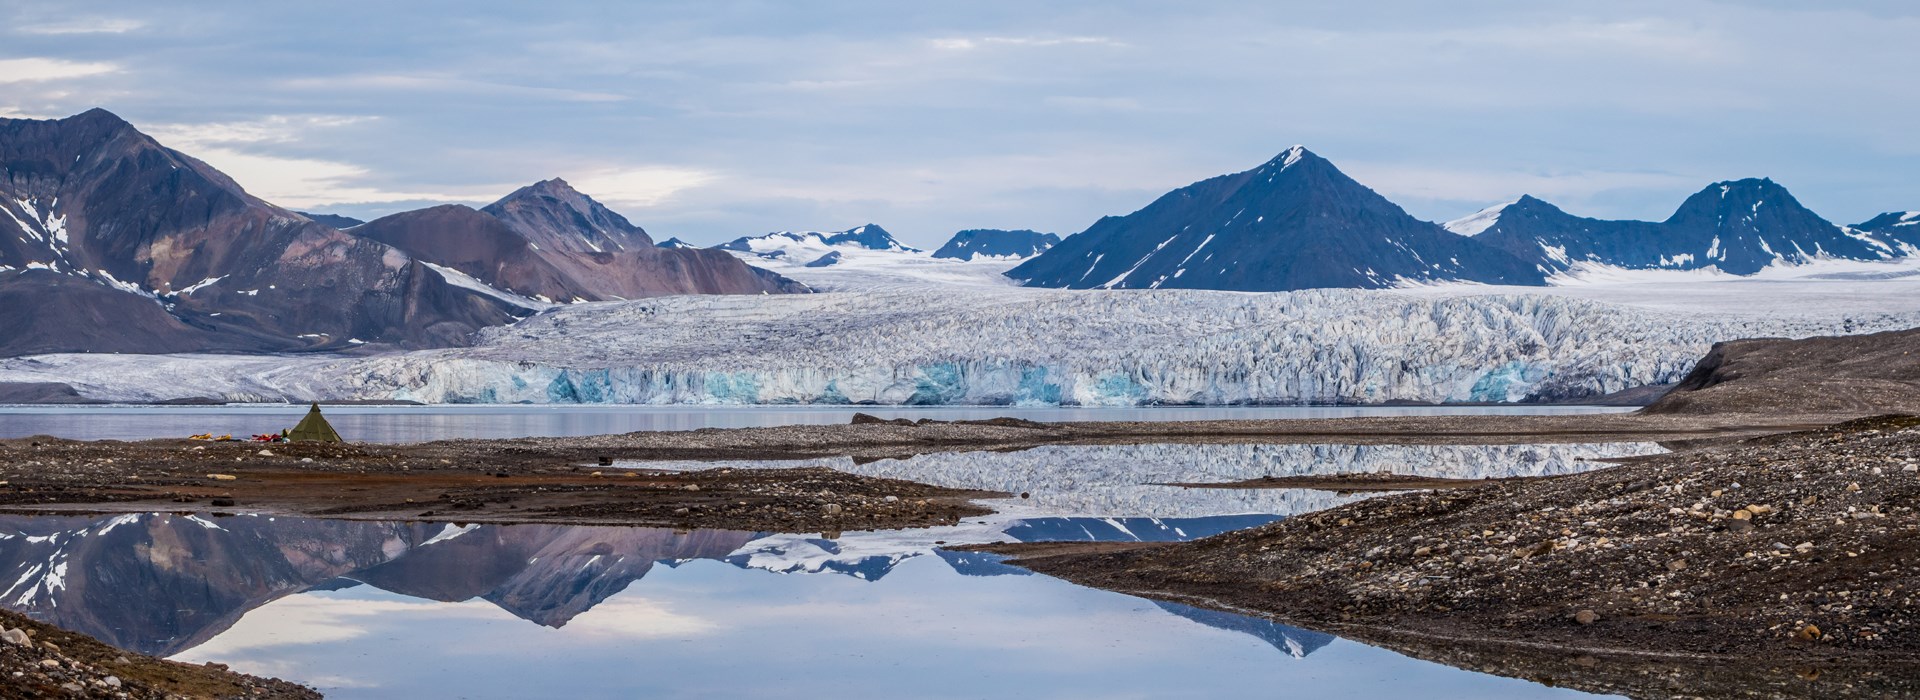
(724, 118)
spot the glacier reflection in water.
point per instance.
(1125, 480)
(383, 610)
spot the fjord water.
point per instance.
(410, 609)
(399, 424)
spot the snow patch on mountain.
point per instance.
(1478, 222)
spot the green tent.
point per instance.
(314, 428)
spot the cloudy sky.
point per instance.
(721, 118)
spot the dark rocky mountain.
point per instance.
(1296, 222)
(196, 576)
(996, 243)
(677, 244)
(1859, 374)
(551, 214)
(827, 260)
(1901, 228)
(1738, 226)
(335, 220)
(869, 237)
(118, 244)
(550, 242)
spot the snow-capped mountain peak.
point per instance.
(811, 245)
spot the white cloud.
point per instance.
(85, 25)
(640, 186)
(1098, 104)
(25, 70)
(273, 128)
(970, 43)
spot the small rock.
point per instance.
(1803, 547)
(1743, 514)
(111, 681)
(71, 687)
(831, 509)
(55, 648)
(50, 663)
(892, 499)
(679, 511)
(1807, 633)
(1677, 565)
(17, 637)
(693, 487)
(122, 660)
(1853, 487)
(596, 475)
(306, 460)
(1586, 617)
(265, 453)
(222, 477)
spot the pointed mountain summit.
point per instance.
(1737, 226)
(677, 244)
(122, 244)
(553, 215)
(1296, 222)
(549, 242)
(996, 243)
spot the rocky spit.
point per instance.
(41, 661)
(1799, 550)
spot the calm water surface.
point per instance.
(424, 423)
(409, 609)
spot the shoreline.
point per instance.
(560, 479)
(1685, 560)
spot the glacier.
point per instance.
(982, 345)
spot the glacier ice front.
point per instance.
(999, 347)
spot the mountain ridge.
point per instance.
(1295, 222)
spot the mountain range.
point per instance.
(111, 242)
(1297, 222)
(1739, 227)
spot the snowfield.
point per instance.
(998, 345)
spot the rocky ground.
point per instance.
(1874, 373)
(1801, 548)
(473, 483)
(41, 661)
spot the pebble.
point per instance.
(17, 637)
(222, 477)
(265, 453)
(1586, 617)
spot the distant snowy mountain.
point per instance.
(677, 244)
(863, 258)
(808, 246)
(996, 243)
(1739, 227)
(1296, 222)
